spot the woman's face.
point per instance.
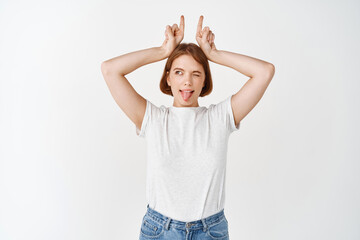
(186, 74)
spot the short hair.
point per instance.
(196, 52)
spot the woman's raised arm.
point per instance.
(127, 63)
(115, 69)
(259, 71)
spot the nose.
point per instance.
(188, 79)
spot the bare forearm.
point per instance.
(126, 63)
(246, 65)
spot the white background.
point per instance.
(72, 166)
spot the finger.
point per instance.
(174, 27)
(209, 36)
(205, 35)
(203, 32)
(182, 23)
(199, 26)
(212, 38)
(169, 31)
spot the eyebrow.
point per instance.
(183, 70)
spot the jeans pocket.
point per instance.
(219, 230)
(150, 228)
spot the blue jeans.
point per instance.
(158, 226)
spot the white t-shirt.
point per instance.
(186, 158)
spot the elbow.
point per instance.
(270, 71)
(267, 72)
(267, 69)
(271, 67)
(104, 68)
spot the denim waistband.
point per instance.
(193, 225)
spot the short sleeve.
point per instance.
(152, 114)
(224, 112)
(141, 132)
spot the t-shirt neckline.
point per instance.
(185, 108)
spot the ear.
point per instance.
(168, 78)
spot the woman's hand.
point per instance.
(205, 38)
(173, 36)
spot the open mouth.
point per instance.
(186, 94)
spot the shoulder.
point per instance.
(224, 113)
(153, 113)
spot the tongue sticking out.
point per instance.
(186, 95)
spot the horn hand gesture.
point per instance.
(173, 36)
(205, 38)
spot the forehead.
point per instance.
(187, 62)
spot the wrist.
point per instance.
(213, 55)
(163, 52)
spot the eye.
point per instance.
(177, 72)
(197, 75)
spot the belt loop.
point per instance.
(167, 223)
(204, 223)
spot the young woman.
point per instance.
(187, 143)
